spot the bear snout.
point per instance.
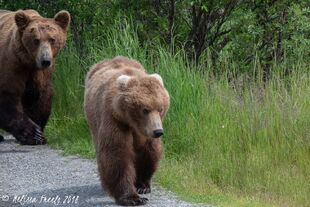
(44, 57)
(158, 133)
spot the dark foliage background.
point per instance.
(274, 31)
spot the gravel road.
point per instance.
(38, 176)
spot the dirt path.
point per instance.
(38, 176)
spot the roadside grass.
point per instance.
(228, 142)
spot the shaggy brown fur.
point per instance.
(29, 45)
(125, 108)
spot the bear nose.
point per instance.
(158, 132)
(45, 63)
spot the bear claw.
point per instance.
(143, 187)
(144, 190)
(38, 137)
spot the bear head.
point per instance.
(42, 38)
(142, 103)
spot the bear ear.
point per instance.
(158, 77)
(22, 20)
(123, 80)
(63, 19)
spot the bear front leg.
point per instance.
(147, 160)
(37, 105)
(14, 121)
(117, 173)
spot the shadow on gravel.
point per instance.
(77, 196)
(13, 151)
(9, 141)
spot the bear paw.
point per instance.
(132, 201)
(32, 136)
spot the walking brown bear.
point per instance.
(125, 108)
(29, 44)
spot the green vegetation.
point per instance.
(238, 73)
(230, 142)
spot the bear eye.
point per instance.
(160, 110)
(146, 111)
(36, 41)
(51, 40)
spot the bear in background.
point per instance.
(125, 108)
(29, 44)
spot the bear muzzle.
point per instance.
(44, 58)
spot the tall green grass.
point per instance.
(229, 141)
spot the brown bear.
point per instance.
(29, 44)
(125, 108)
